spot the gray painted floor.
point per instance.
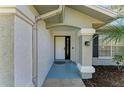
(64, 75)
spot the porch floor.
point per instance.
(64, 75)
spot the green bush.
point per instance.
(119, 60)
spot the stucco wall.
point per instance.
(41, 52)
(80, 50)
(45, 54)
(26, 11)
(6, 50)
(23, 53)
(103, 61)
(86, 50)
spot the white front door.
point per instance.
(59, 47)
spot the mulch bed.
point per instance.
(106, 76)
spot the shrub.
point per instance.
(119, 60)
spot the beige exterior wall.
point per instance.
(16, 40)
(15, 46)
(24, 19)
(86, 51)
(85, 65)
(22, 53)
(40, 59)
(80, 50)
(6, 50)
(45, 53)
(27, 11)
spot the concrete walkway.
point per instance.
(58, 82)
(64, 75)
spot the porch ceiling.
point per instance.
(88, 10)
(54, 20)
(42, 9)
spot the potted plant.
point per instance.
(119, 60)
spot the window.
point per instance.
(108, 48)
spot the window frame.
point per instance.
(105, 57)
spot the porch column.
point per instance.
(85, 51)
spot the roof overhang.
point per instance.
(103, 14)
(97, 12)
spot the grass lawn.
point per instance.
(106, 76)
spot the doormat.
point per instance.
(59, 62)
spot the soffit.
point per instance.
(93, 13)
(42, 9)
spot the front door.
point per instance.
(62, 47)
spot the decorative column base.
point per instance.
(86, 75)
(86, 71)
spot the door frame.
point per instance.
(65, 44)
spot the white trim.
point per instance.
(17, 12)
(86, 69)
(103, 10)
(7, 10)
(104, 57)
(3, 6)
(24, 17)
(86, 31)
(61, 24)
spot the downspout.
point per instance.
(36, 53)
(35, 58)
(37, 19)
